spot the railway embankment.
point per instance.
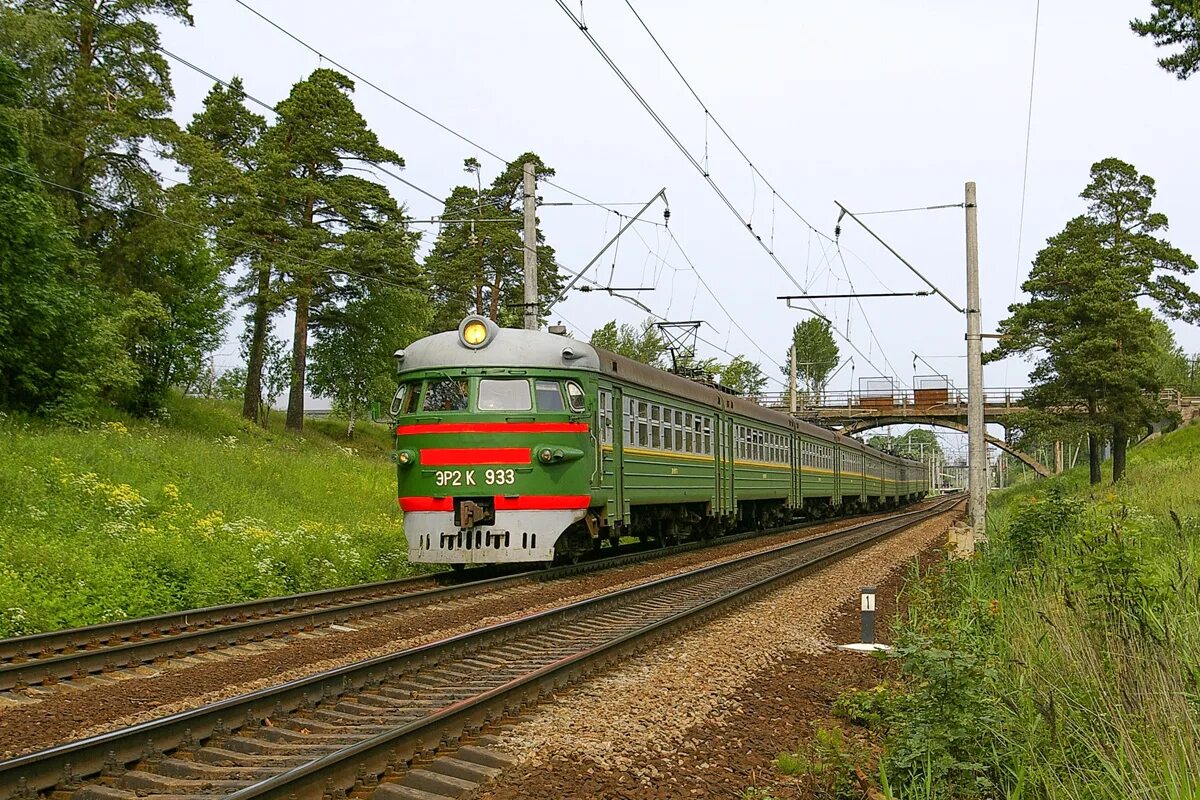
(1060, 662)
(705, 715)
(186, 674)
(127, 518)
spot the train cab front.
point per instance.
(493, 445)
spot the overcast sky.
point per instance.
(876, 104)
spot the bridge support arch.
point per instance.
(869, 423)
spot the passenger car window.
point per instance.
(549, 398)
(446, 394)
(575, 397)
(505, 395)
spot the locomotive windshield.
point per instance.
(505, 395)
(445, 394)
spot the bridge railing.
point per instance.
(934, 399)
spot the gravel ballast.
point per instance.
(705, 714)
(68, 712)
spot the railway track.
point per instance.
(48, 658)
(370, 728)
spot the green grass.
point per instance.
(1064, 661)
(129, 518)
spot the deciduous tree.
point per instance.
(641, 343)
(57, 350)
(743, 376)
(352, 357)
(915, 443)
(97, 103)
(816, 353)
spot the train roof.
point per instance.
(506, 347)
(524, 349)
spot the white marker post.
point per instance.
(866, 606)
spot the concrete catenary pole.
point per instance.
(792, 378)
(977, 473)
(531, 287)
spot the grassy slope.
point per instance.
(1163, 475)
(1064, 662)
(132, 518)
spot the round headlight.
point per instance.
(474, 333)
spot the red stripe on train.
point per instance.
(426, 504)
(542, 502)
(461, 456)
(493, 427)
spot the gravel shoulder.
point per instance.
(41, 718)
(705, 715)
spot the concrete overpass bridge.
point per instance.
(882, 404)
(944, 406)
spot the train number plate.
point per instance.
(474, 477)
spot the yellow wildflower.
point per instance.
(210, 521)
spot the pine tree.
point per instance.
(98, 92)
(477, 265)
(1096, 344)
(1174, 22)
(224, 161)
(341, 228)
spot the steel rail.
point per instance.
(47, 658)
(107, 754)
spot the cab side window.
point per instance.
(446, 394)
(404, 402)
(575, 397)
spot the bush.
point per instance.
(1112, 571)
(939, 736)
(871, 708)
(830, 763)
(1055, 519)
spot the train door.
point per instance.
(718, 504)
(835, 463)
(797, 483)
(618, 512)
(725, 467)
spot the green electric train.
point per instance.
(528, 446)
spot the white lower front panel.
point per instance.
(516, 536)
